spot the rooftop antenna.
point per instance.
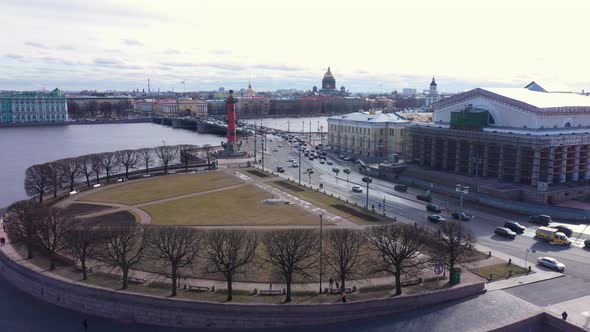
(183, 86)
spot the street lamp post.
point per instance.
(461, 189)
(321, 251)
(299, 166)
(477, 161)
(255, 143)
(262, 151)
(369, 180)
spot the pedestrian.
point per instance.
(2, 241)
(331, 281)
(270, 285)
(85, 324)
(337, 285)
(343, 297)
(564, 315)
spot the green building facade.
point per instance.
(33, 107)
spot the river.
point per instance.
(25, 146)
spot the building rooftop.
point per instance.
(371, 117)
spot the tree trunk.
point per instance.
(451, 266)
(84, 271)
(29, 251)
(72, 184)
(126, 171)
(174, 283)
(343, 282)
(51, 264)
(146, 168)
(125, 275)
(41, 197)
(398, 281)
(108, 172)
(55, 192)
(165, 168)
(97, 178)
(88, 180)
(288, 298)
(229, 289)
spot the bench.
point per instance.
(339, 290)
(196, 288)
(271, 292)
(98, 185)
(134, 280)
(73, 192)
(147, 175)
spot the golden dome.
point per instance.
(328, 74)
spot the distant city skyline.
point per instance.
(378, 47)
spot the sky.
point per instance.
(371, 46)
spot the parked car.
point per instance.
(280, 169)
(280, 145)
(551, 263)
(291, 160)
(460, 215)
(425, 198)
(515, 227)
(295, 164)
(335, 169)
(329, 162)
(357, 189)
(341, 156)
(564, 229)
(541, 219)
(587, 243)
(436, 218)
(400, 187)
(322, 161)
(433, 208)
(366, 178)
(346, 158)
(505, 232)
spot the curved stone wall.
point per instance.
(144, 309)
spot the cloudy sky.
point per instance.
(370, 45)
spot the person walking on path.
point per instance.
(270, 286)
(85, 324)
(331, 281)
(337, 285)
(564, 315)
(343, 297)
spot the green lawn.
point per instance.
(319, 199)
(239, 206)
(142, 191)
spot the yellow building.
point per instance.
(367, 134)
(195, 107)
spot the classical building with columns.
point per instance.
(372, 134)
(527, 136)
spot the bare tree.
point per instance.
(229, 252)
(82, 241)
(86, 167)
(109, 162)
(208, 152)
(127, 159)
(147, 157)
(344, 252)
(70, 168)
(96, 165)
(167, 155)
(454, 242)
(402, 250)
(122, 246)
(292, 253)
(176, 246)
(37, 180)
(186, 154)
(51, 230)
(55, 177)
(21, 223)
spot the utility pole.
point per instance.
(288, 126)
(303, 128)
(255, 134)
(299, 165)
(262, 139)
(309, 131)
(321, 251)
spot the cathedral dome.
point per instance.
(329, 82)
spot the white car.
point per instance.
(295, 164)
(551, 263)
(280, 145)
(357, 189)
(291, 160)
(322, 161)
(329, 162)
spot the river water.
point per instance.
(22, 147)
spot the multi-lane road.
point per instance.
(407, 208)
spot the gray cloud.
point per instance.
(177, 64)
(171, 51)
(278, 67)
(36, 45)
(223, 66)
(132, 42)
(14, 56)
(107, 62)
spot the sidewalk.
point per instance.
(537, 275)
(578, 310)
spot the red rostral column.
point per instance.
(231, 122)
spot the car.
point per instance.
(323, 157)
(505, 232)
(425, 198)
(329, 162)
(311, 157)
(357, 189)
(564, 229)
(280, 169)
(551, 263)
(336, 170)
(366, 178)
(306, 154)
(295, 164)
(291, 160)
(341, 156)
(280, 145)
(322, 161)
(436, 218)
(460, 215)
(587, 243)
(515, 227)
(346, 158)
(541, 219)
(400, 187)
(433, 208)
(275, 150)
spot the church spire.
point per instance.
(433, 81)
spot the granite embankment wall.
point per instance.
(132, 308)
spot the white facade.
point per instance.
(519, 108)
